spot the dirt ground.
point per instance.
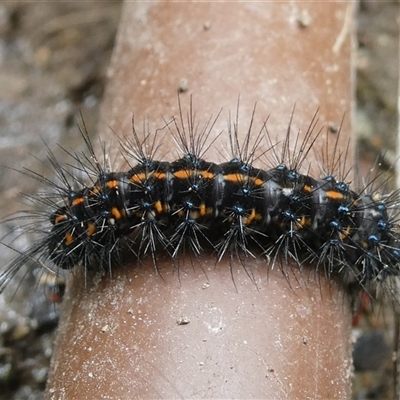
(53, 62)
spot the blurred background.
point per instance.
(53, 62)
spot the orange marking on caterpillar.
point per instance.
(91, 229)
(69, 238)
(160, 175)
(257, 181)
(60, 218)
(333, 195)
(138, 178)
(207, 174)
(307, 188)
(345, 233)
(203, 210)
(159, 207)
(182, 174)
(234, 177)
(77, 201)
(95, 190)
(254, 216)
(112, 184)
(117, 214)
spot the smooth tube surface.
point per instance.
(201, 329)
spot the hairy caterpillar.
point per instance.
(93, 213)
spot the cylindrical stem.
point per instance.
(277, 335)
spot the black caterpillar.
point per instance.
(232, 208)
